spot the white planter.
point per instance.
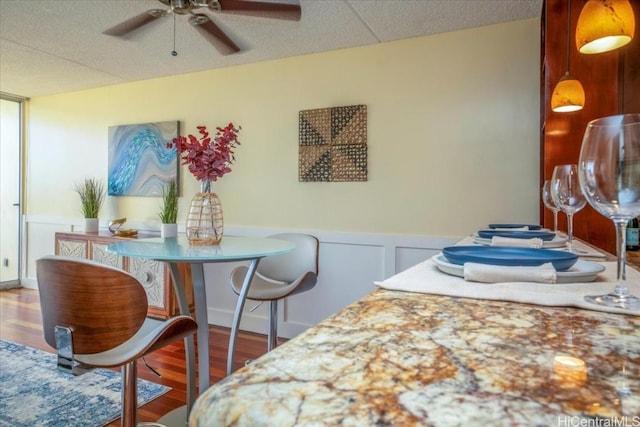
(169, 230)
(91, 225)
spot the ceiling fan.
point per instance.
(203, 23)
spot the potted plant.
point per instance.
(169, 212)
(91, 192)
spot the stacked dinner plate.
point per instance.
(569, 268)
(523, 232)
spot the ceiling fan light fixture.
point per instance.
(203, 23)
(200, 3)
(215, 5)
(604, 25)
(213, 34)
(258, 8)
(135, 22)
(157, 13)
(568, 95)
(181, 7)
(198, 19)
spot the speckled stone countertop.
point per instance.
(404, 359)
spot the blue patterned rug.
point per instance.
(34, 393)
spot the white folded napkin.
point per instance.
(525, 228)
(485, 273)
(536, 242)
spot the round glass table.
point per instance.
(177, 250)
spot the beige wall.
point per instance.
(453, 135)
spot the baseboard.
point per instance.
(257, 323)
(10, 284)
(350, 264)
(29, 283)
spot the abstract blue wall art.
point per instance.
(140, 164)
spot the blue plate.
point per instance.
(509, 256)
(531, 226)
(544, 235)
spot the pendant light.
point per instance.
(568, 95)
(604, 25)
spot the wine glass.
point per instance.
(567, 195)
(609, 170)
(550, 204)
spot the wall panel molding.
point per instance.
(349, 265)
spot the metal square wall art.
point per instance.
(333, 144)
(140, 164)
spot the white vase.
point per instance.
(91, 225)
(169, 230)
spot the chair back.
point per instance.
(103, 306)
(289, 267)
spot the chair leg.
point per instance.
(129, 395)
(237, 314)
(272, 339)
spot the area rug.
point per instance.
(34, 393)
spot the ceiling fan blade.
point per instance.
(213, 34)
(261, 9)
(134, 23)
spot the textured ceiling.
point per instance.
(56, 46)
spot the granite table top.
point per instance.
(407, 359)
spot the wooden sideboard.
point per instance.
(154, 275)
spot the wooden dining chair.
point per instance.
(281, 276)
(96, 316)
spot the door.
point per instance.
(10, 176)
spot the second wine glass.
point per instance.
(567, 195)
(547, 199)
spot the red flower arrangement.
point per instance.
(208, 158)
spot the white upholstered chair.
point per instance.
(280, 276)
(96, 316)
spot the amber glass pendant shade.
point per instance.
(568, 95)
(604, 25)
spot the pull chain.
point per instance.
(173, 52)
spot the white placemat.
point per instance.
(586, 251)
(426, 278)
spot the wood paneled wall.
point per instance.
(611, 81)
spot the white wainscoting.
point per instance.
(348, 266)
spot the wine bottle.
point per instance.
(633, 235)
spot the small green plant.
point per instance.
(91, 192)
(169, 212)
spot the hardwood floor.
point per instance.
(20, 322)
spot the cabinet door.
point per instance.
(153, 276)
(99, 253)
(72, 248)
